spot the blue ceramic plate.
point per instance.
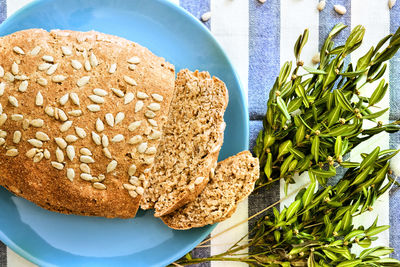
(52, 239)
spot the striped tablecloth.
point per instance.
(258, 38)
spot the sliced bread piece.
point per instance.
(192, 139)
(233, 181)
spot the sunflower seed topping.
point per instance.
(70, 152)
(66, 50)
(104, 141)
(80, 132)
(17, 137)
(134, 125)
(39, 99)
(60, 142)
(109, 119)
(44, 66)
(154, 107)
(152, 122)
(107, 153)
(99, 186)
(2, 141)
(135, 140)
(134, 180)
(93, 60)
(149, 114)
(3, 118)
(96, 138)
(117, 92)
(112, 166)
(64, 99)
(18, 50)
(139, 105)
(13, 101)
(14, 68)
(96, 99)
(12, 152)
(57, 165)
(71, 138)
(75, 112)
(38, 157)
(117, 138)
(9, 77)
(35, 51)
(84, 151)
(61, 114)
(49, 111)
(35, 142)
(83, 81)
(151, 151)
(1, 108)
(100, 92)
(142, 147)
(113, 68)
(86, 176)
(42, 136)
(76, 64)
(37, 123)
(42, 81)
(74, 98)
(132, 66)
(134, 60)
(1, 72)
(119, 117)
(99, 125)
(46, 154)
(139, 190)
(52, 69)
(132, 170)
(86, 159)
(70, 174)
(87, 65)
(2, 88)
(93, 108)
(133, 194)
(157, 97)
(141, 95)
(59, 155)
(48, 58)
(129, 187)
(128, 98)
(58, 78)
(65, 126)
(149, 160)
(31, 152)
(130, 80)
(17, 117)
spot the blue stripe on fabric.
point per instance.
(196, 8)
(394, 139)
(264, 53)
(3, 10)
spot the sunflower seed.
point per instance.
(60, 142)
(18, 50)
(149, 114)
(83, 81)
(61, 114)
(86, 176)
(104, 141)
(155, 134)
(157, 97)
(14, 68)
(119, 117)
(341, 10)
(151, 151)
(147, 131)
(117, 92)
(99, 125)
(31, 152)
(111, 166)
(70, 174)
(39, 99)
(38, 157)
(133, 194)
(75, 112)
(84, 168)
(12, 152)
(44, 66)
(134, 60)
(134, 125)
(76, 64)
(93, 108)
(21, 77)
(17, 117)
(142, 147)
(2, 88)
(100, 92)
(64, 99)
(35, 142)
(135, 140)
(134, 180)
(117, 138)
(107, 153)
(132, 66)
(57, 165)
(132, 170)
(48, 58)
(86, 159)
(141, 95)
(96, 99)
(391, 3)
(3, 134)
(87, 65)
(113, 68)
(52, 69)
(3, 118)
(152, 122)
(71, 138)
(25, 124)
(84, 151)
(129, 80)
(93, 60)
(74, 98)
(99, 186)
(37, 123)
(66, 50)
(65, 126)
(139, 105)
(80, 132)
(81, 39)
(109, 119)
(42, 136)
(9, 77)
(154, 106)
(13, 101)
(35, 51)
(139, 190)
(128, 98)
(58, 78)
(2, 141)
(129, 187)
(1, 72)
(42, 81)
(46, 154)
(17, 137)
(59, 155)
(96, 138)
(321, 5)
(49, 110)
(70, 152)
(149, 160)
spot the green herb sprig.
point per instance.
(313, 119)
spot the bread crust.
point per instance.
(42, 183)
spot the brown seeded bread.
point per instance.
(233, 181)
(193, 137)
(140, 77)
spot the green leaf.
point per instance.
(370, 159)
(342, 100)
(282, 106)
(362, 176)
(285, 164)
(300, 133)
(334, 115)
(365, 243)
(352, 73)
(268, 166)
(346, 220)
(348, 164)
(376, 114)
(376, 230)
(338, 147)
(364, 61)
(293, 209)
(309, 194)
(315, 148)
(354, 234)
(379, 93)
(300, 91)
(349, 263)
(330, 255)
(284, 148)
(314, 70)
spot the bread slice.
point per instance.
(233, 181)
(88, 157)
(191, 143)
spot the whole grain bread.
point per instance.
(192, 139)
(233, 181)
(81, 117)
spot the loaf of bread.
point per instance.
(192, 139)
(233, 181)
(81, 115)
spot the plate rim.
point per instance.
(9, 20)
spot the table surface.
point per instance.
(258, 38)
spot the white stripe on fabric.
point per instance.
(14, 5)
(175, 2)
(14, 260)
(295, 17)
(230, 26)
(375, 17)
